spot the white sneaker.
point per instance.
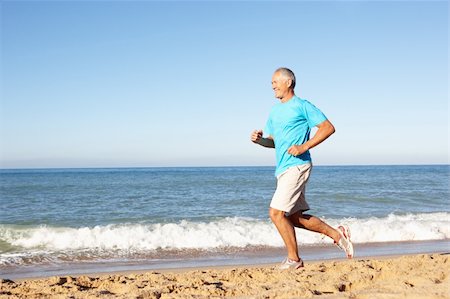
(290, 264)
(344, 242)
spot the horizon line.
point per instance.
(214, 166)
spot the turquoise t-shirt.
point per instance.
(290, 123)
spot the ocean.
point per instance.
(54, 221)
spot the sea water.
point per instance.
(60, 216)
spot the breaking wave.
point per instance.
(22, 244)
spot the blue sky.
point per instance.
(145, 83)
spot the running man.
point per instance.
(288, 130)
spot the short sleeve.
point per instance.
(268, 129)
(313, 115)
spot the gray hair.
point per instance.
(288, 74)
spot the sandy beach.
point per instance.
(411, 276)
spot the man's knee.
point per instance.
(275, 215)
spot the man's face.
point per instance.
(280, 85)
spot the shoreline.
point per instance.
(183, 270)
(242, 258)
(406, 276)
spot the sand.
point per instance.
(413, 276)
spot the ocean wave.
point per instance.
(119, 239)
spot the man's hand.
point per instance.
(326, 129)
(297, 150)
(256, 136)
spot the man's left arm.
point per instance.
(325, 130)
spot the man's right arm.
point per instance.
(257, 138)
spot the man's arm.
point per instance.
(325, 130)
(257, 138)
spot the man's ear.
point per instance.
(289, 83)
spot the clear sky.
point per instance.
(145, 83)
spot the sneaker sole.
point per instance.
(347, 234)
(345, 231)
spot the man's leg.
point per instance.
(341, 237)
(287, 232)
(314, 224)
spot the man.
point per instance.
(288, 130)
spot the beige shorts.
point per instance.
(291, 186)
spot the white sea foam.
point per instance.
(228, 232)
